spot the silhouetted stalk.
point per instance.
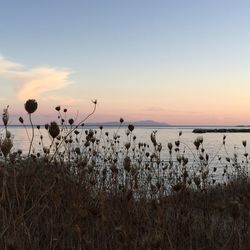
(32, 137)
(5, 172)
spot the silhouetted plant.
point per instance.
(31, 107)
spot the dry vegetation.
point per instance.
(89, 190)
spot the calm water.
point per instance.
(212, 141)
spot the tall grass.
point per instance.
(90, 190)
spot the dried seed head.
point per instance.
(185, 161)
(121, 120)
(31, 106)
(6, 146)
(54, 129)
(197, 181)
(77, 150)
(58, 108)
(197, 143)
(76, 132)
(159, 147)
(71, 121)
(127, 145)
(153, 139)
(21, 120)
(5, 116)
(244, 143)
(46, 150)
(131, 127)
(170, 146)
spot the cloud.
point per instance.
(33, 82)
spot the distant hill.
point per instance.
(148, 123)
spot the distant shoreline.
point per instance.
(215, 128)
(222, 130)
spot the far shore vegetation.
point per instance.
(88, 189)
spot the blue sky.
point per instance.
(174, 61)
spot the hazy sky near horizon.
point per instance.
(181, 62)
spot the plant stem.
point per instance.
(32, 137)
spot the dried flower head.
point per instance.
(153, 138)
(6, 146)
(31, 106)
(170, 146)
(131, 127)
(54, 129)
(58, 108)
(77, 150)
(127, 145)
(21, 120)
(197, 181)
(71, 121)
(5, 116)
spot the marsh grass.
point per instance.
(90, 190)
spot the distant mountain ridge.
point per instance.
(125, 123)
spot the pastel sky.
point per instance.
(180, 62)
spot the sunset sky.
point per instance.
(180, 62)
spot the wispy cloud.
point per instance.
(33, 82)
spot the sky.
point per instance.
(180, 62)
